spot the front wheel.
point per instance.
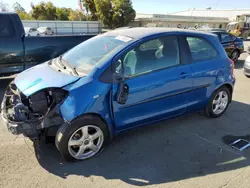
(82, 139)
(218, 103)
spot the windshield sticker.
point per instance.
(123, 38)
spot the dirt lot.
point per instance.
(186, 152)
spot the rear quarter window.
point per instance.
(201, 49)
(6, 27)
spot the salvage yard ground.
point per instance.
(189, 151)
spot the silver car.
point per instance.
(46, 31)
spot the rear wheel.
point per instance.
(82, 139)
(218, 103)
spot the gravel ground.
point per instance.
(189, 151)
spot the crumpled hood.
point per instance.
(40, 77)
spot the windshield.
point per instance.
(88, 54)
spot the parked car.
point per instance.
(46, 31)
(212, 29)
(233, 45)
(133, 77)
(247, 67)
(31, 31)
(18, 52)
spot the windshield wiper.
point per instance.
(61, 62)
(65, 64)
(75, 72)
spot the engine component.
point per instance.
(39, 102)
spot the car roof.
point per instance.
(218, 32)
(10, 13)
(141, 32)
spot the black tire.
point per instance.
(235, 55)
(247, 76)
(66, 130)
(209, 108)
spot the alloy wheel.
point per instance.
(85, 142)
(220, 102)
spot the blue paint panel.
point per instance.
(152, 97)
(87, 96)
(41, 77)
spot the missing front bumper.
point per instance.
(18, 113)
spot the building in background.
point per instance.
(209, 13)
(164, 20)
(190, 18)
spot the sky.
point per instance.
(150, 6)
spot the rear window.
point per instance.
(226, 38)
(6, 27)
(201, 49)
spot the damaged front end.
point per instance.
(34, 115)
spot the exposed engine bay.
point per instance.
(31, 115)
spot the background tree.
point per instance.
(21, 12)
(90, 8)
(62, 13)
(115, 13)
(17, 7)
(76, 15)
(123, 13)
(43, 11)
(4, 7)
(104, 12)
(24, 15)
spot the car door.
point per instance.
(11, 46)
(153, 83)
(228, 43)
(205, 65)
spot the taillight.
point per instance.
(231, 65)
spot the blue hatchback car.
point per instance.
(116, 81)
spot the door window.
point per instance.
(6, 27)
(201, 49)
(150, 56)
(226, 38)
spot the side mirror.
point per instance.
(122, 93)
(118, 76)
(118, 71)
